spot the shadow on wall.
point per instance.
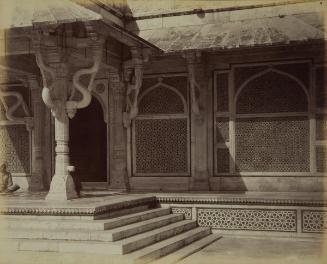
(277, 141)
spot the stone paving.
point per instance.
(255, 250)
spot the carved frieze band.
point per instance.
(314, 221)
(248, 219)
(241, 201)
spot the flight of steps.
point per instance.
(141, 237)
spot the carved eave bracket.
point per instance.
(11, 109)
(133, 77)
(72, 105)
(193, 58)
(47, 48)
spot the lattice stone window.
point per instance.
(222, 130)
(15, 148)
(272, 144)
(222, 133)
(271, 93)
(222, 92)
(161, 146)
(161, 129)
(161, 101)
(321, 127)
(244, 73)
(321, 158)
(271, 120)
(223, 157)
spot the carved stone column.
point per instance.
(60, 62)
(62, 185)
(198, 86)
(118, 158)
(36, 183)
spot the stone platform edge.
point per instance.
(77, 211)
(241, 201)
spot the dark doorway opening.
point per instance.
(88, 143)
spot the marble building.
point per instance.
(165, 97)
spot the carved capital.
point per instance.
(55, 66)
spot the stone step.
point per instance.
(61, 246)
(167, 246)
(94, 235)
(188, 250)
(101, 224)
(121, 247)
(144, 226)
(142, 240)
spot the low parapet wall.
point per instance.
(280, 217)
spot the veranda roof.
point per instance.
(275, 25)
(26, 13)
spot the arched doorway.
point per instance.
(88, 143)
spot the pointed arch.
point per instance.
(166, 86)
(257, 76)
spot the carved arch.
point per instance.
(103, 106)
(299, 82)
(171, 88)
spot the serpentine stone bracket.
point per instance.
(192, 58)
(45, 47)
(72, 105)
(133, 77)
(10, 109)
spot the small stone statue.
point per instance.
(6, 183)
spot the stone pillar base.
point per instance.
(200, 184)
(62, 188)
(35, 184)
(119, 182)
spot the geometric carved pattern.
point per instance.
(223, 160)
(15, 148)
(178, 82)
(161, 145)
(321, 158)
(321, 127)
(272, 144)
(298, 70)
(161, 100)
(222, 92)
(243, 73)
(187, 211)
(271, 93)
(222, 130)
(314, 221)
(248, 219)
